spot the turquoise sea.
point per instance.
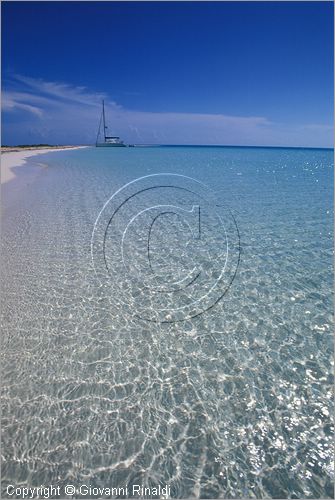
(167, 319)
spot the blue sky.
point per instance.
(242, 73)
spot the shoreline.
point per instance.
(16, 157)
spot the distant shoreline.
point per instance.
(13, 157)
(12, 149)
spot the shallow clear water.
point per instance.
(219, 394)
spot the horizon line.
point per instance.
(177, 146)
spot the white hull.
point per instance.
(110, 145)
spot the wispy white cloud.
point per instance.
(63, 113)
(12, 101)
(60, 91)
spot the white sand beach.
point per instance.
(17, 158)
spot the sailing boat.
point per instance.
(109, 141)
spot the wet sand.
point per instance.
(16, 157)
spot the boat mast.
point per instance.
(104, 121)
(99, 128)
